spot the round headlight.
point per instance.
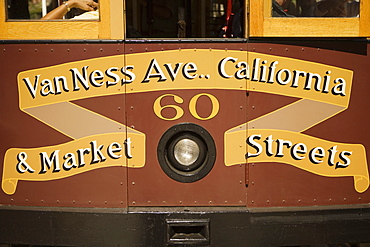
(186, 152)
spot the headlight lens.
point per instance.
(186, 152)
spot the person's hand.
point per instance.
(88, 5)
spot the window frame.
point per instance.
(263, 25)
(109, 26)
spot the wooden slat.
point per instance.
(365, 18)
(311, 27)
(49, 30)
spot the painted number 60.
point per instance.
(157, 107)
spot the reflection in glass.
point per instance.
(184, 18)
(36, 9)
(315, 8)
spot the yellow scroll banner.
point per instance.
(71, 158)
(311, 154)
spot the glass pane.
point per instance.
(184, 18)
(315, 8)
(36, 9)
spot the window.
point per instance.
(315, 8)
(23, 23)
(184, 18)
(36, 9)
(353, 22)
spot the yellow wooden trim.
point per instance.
(365, 18)
(117, 19)
(110, 25)
(256, 15)
(48, 30)
(311, 27)
(263, 25)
